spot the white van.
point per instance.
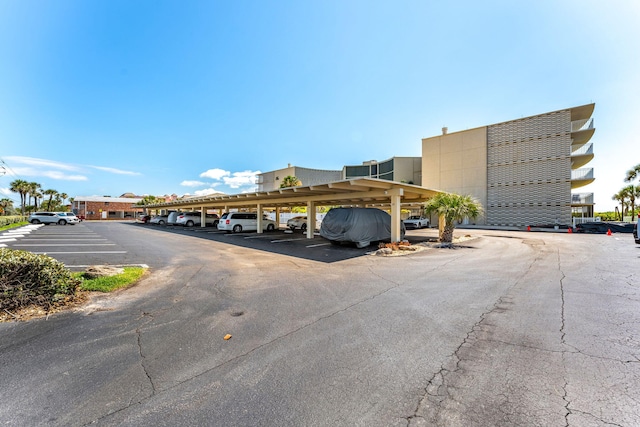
(236, 222)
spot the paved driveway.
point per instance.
(510, 329)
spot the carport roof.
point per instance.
(358, 191)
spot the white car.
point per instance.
(60, 218)
(416, 221)
(297, 222)
(189, 219)
(159, 219)
(236, 222)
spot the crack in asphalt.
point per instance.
(436, 390)
(563, 334)
(141, 353)
(240, 356)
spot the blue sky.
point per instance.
(160, 97)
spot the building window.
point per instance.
(357, 171)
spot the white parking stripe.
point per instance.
(288, 240)
(111, 265)
(319, 244)
(83, 252)
(77, 244)
(7, 240)
(65, 240)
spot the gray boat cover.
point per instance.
(358, 225)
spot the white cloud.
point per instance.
(53, 174)
(30, 166)
(116, 171)
(242, 179)
(207, 192)
(216, 174)
(6, 191)
(31, 161)
(188, 183)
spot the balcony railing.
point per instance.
(584, 173)
(585, 149)
(578, 125)
(582, 199)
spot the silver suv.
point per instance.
(60, 218)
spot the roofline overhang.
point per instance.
(358, 191)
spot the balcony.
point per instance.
(581, 199)
(581, 177)
(581, 132)
(582, 156)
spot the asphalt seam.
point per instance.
(436, 390)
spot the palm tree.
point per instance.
(51, 193)
(290, 181)
(34, 187)
(451, 208)
(63, 196)
(21, 187)
(631, 193)
(37, 195)
(633, 173)
(621, 196)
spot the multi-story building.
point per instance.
(522, 171)
(272, 180)
(399, 169)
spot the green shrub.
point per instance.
(29, 279)
(14, 219)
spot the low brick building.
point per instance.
(106, 208)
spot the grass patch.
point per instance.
(14, 225)
(111, 283)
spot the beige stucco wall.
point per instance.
(407, 169)
(271, 180)
(457, 163)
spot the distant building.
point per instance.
(399, 169)
(271, 180)
(522, 171)
(106, 208)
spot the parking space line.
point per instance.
(65, 240)
(60, 244)
(319, 244)
(288, 240)
(83, 252)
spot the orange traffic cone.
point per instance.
(528, 228)
(569, 230)
(609, 232)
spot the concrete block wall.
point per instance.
(529, 171)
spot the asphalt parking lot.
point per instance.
(128, 243)
(510, 328)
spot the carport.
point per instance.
(360, 192)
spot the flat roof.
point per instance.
(357, 191)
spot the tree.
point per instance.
(290, 181)
(621, 197)
(149, 200)
(51, 193)
(633, 173)
(33, 191)
(451, 208)
(6, 204)
(21, 187)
